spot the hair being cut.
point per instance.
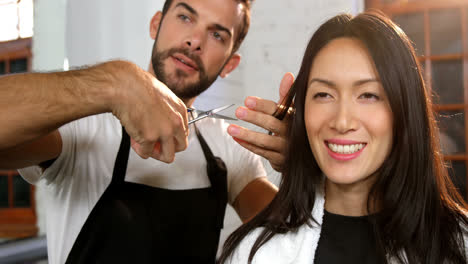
(420, 212)
(243, 27)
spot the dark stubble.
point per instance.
(177, 81)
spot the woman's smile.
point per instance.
(344, 151)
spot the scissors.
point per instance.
(209, 113)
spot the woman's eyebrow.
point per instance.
(332, 84)
(323, 81)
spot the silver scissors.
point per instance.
(209, 113)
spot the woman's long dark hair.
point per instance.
(420, 211)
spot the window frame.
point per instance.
(399, 7)
(17, 222)
(16, 49)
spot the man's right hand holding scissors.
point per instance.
(153, 116)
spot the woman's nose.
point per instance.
(344, 120)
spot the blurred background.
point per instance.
(52, 35)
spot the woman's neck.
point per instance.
(349, 200)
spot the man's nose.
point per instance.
(194, 42)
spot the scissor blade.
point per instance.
(210, 113)
(197, 118)
(219, 109)
(213, 115)
(224, 117)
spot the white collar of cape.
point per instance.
(296, 247)
(293, 247)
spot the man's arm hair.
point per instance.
(34, 105)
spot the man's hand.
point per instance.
(260, 112)
(153, 116)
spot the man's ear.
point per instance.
(230, 65)
(154, 24)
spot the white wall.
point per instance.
(100, 30)
(49, 35)
(108, 29)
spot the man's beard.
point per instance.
(175, 82)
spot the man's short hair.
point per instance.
(244, 27)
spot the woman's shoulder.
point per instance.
(281, 248)
(296, 246)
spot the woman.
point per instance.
(364, 179)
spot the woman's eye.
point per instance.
(321, 95)
(369, 96)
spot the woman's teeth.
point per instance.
(345, 149)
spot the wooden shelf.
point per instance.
(449, 107)
(18, 230)
(455, 157)
(401, 6)
(446, 57)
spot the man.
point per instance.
(195, 41)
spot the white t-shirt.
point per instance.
(79, 176)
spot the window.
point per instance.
(17, 204)
(439, 32)
(15, 56)
(17, 208)
(16, 18)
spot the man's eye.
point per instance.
(218, 36)
(184, 18)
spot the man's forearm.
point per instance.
(254, 198)
(34, 104)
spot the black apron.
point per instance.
(136, 223)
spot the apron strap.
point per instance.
(216, 170)
(120, 166)
(206, 149)
(217, 173)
